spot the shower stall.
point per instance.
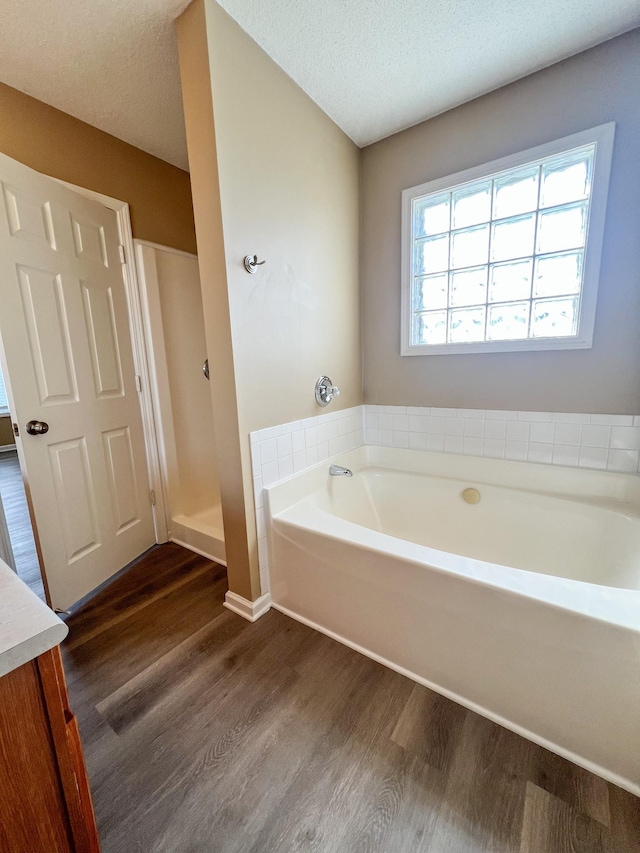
(174, 328)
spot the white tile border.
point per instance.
(604, 442)
(280, 451)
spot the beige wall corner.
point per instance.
(284, 182)
(594, 87)
(64, 147)
(239, 529)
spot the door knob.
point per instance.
(37, 427)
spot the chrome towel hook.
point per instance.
(251, 264)
(205, 368)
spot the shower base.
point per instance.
(201, 532)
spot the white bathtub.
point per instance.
(524, 607)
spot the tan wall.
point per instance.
(194, 483)
(288, 191)
(196, 476)
(59, 145)
(239, 536)
(6, 431)
(289, 181)
(594, 87)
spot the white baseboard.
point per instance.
(250, 610)
(7, 448)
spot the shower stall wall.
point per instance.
(174, 327)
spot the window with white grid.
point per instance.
(506, 256)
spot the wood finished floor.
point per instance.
(204, 733)
(16, 512)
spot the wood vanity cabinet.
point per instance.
(45, 802)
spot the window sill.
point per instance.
(477, 347)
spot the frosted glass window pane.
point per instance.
(431, 216)
(562, 228)
(554, 318)
(508, 322)
(431, 328)
(431, 292)
(510, 281)
(567, 178)
(513, 238)
(432, 255)
(470, 248)
(516, 193)
(469, 287)
(502, 257)
(471, 205)
(466, 324)
(558, 274)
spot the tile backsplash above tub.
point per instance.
(609, 442)
(279, 451)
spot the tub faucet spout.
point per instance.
(339, 471)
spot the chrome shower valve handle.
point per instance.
(325, 391)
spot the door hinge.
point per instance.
(152, 497)
(123, 257)
(16, 429)
(138, 383)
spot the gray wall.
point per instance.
(600, 85)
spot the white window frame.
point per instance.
(602, 136)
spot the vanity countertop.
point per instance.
(28, 628)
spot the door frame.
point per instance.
(140, 354)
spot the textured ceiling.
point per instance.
(378, 66)
(111, 63)
(375, 66)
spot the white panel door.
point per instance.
(67, 348)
